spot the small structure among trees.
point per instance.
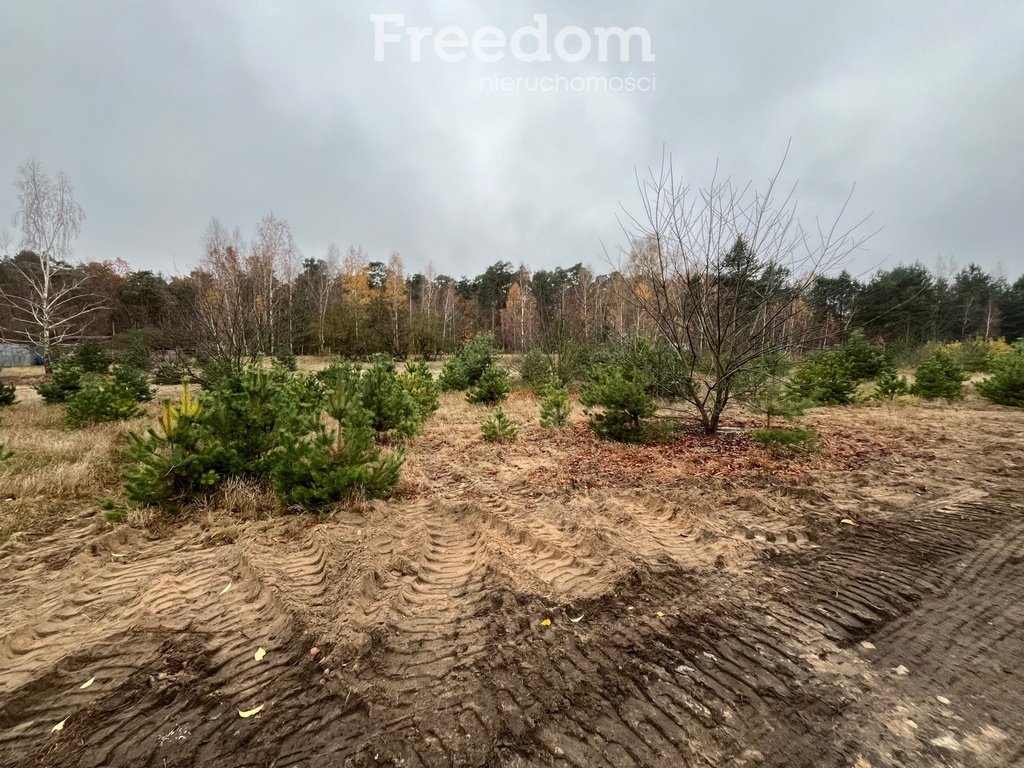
(15, 355)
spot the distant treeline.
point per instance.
(260, 297)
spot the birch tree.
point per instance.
(54, 307)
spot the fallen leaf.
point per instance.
(87, 683)
(901, 670)
(577, 619)
(117, 554)
(942, 700)
(225, 589)
(866, 645)
(659, 613)
(847, 521)
(59, 726)
(250, 712)
(546, 623)
(260, 653)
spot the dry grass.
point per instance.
(56, 472)
(57, 475)
(22, 374)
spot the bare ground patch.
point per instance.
(556, 601)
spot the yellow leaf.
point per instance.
(659, 613)
(59, 726)
(87, 683)
(260, 653)
(577, 619)
(250, 712)
(225, 589)
(847, 521)
(546, 623)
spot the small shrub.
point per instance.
(64, 381)
(285, 358)
(971, 354)
(1006, 384)
(247, 413)
(823, 378)
(569, 356)
(788, 441)
(420, 384)
(329, 465)
(939, 376)
(535, 371)
(499, 428)
(761, 389)
(134, 380)
(100, 400)
(391, 408)
(464, 368)
(664, 372)
(889, 386)
(555, 408)
(997, 348)
(265, 425)
(135, 351)
(492, 386)
(622, 395)
(171, 372)
(7, 394)
(773, 401)
(173, 463)
(91, 357)
(865, 360)
(454, 375)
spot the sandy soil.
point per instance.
(558, 601)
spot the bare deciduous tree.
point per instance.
(720, 272)
(271, 265)
(53, 307)
(324, 286)
(219, 320)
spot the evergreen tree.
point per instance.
(492, 387)
(899, 304)
(421, 386)
(939, 376)
(889, 385)
(622, 394)
(498, 428)
(555, 408)
(100, 400)
(329, 465)
(390, 407)
(7, 393)
(823, 378)
(1006, 384)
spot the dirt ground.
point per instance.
(558, 601)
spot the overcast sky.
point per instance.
(167, 113)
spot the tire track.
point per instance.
(565, 565)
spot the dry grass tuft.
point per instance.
(56, 473)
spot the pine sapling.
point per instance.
(939, 376)
(7, 394)
(889, 385)
(491, 388)
(499, 428)
(555, 408)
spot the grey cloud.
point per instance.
(165, 114)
